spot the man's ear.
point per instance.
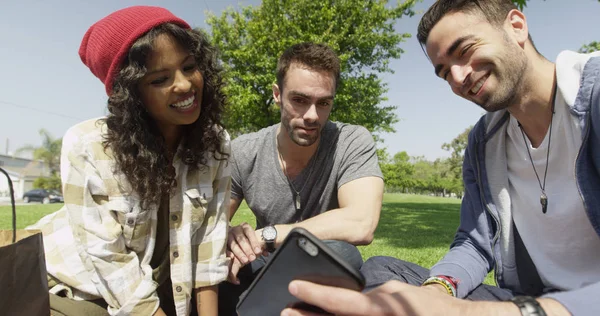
(517, 26)
(276, 94)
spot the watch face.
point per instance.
(269, 233)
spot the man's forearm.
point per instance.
(553, 307)
(550, 306)
(336, 224)
(490, 308)
(353, 222)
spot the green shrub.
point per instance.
(48, 183)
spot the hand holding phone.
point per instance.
(302, 256)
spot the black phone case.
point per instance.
(268, 294)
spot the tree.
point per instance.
(423, 175)
(361, 32)
(51, 183)
(521, 4)
(457, 151)
(398, 173)
(451, 168)
(49, 152)
(382, 155)
(407, 174)
(591, 47)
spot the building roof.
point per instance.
(29, 172)
(24, 167)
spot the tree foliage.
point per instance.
(49, 152)
(443, 176)
(591, 47)
(521, 4)
(50, 183)
(398, 173)
(360, 31)
(457, 150)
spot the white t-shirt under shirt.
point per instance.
(562, 243)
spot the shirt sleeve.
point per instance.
(582, 301)
(115, 270)
(237, 191)
(360, 157)
(211, 264)
(471, 255)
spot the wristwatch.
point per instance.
(528, 306)
(269, 235)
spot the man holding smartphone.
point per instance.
(531, 209)
(304, 172)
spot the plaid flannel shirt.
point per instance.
(101, 242)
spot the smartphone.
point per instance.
(302, 256)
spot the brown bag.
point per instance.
(23, 280)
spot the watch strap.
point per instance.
(528, 306)
(270, 246)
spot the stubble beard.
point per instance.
(301, 141)
(510, 80)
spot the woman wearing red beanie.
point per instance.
(147, 187)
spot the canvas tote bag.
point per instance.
(23, 281)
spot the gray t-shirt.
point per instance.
(346, 153)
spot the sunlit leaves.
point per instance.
(362, 32)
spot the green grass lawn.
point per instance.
(26, 214)
(414, 228)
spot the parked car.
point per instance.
(42, 195)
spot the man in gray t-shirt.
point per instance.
(304, 172)
(344, 153)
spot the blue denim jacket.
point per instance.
(484, 240)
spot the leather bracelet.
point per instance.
(528, 306)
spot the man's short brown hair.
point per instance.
(495, 11)
(310, 55)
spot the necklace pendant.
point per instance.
(544, 202)
(297, 200)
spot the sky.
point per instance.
(44, 84)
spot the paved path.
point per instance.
(6, 201)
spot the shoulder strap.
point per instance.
(531, 284)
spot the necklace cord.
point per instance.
(542, 186)
(310, 166)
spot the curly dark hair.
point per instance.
(137, 144)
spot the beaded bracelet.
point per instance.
(453, 281)
(443, 282)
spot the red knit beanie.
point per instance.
(106, 43)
